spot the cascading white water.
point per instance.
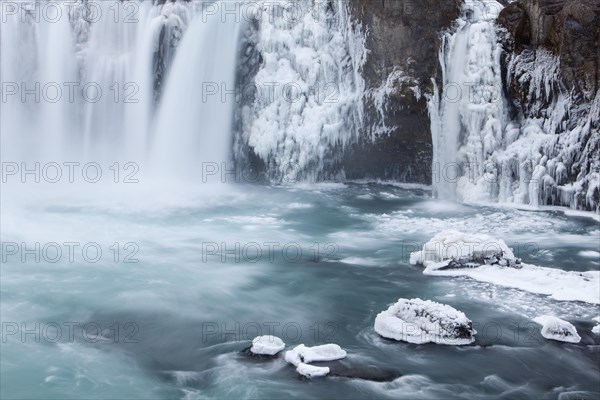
(195, 117)
(58, 66)
(37, 60)
(468, 119)
(309, 86)
(102, 56)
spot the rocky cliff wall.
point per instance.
(403, 39)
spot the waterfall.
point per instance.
(105, 60)
(467, 121)
(194, 121)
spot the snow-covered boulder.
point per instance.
(423, 321)
(267, 345)
(483, 258)
(453, 249)
(301, 355)
(557, 329)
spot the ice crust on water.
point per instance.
(557, 329)
(423, 321)
(267, 345)
(301, 355)
(451, 253)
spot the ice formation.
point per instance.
(267, 345)
(301, 355)
(467, 123)
(315, 60)
(557, 329)
(483, 154)
(422, 321)
(483, 258)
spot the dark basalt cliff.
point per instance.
(403, 43)
(568, 29)
(567, 32)
(403, 39)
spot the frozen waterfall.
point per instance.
(482, 153)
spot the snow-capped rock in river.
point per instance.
(486, 259)
(557, 329)
(422, 321)
(267, 345)
(326, 352)
(301, 355)
(461, 250)
(310, 371)
(596, 329)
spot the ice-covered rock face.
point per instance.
(423, 321)
(308, 88)
(267, 345)
(461, 250)
(517, 118)
(557, 329)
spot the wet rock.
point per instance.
(347, 369)
(403, 43)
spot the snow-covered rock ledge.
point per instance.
(424, 321)
(485, 259)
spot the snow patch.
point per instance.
(310, 371)
(267, 345)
